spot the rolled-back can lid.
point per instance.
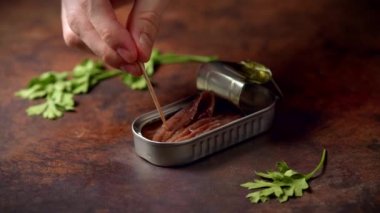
(222, 79)
(238, 83)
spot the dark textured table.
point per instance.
(324, 54)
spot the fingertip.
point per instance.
(145, 44)
(128, 55)
(134, 69)
(102, 16)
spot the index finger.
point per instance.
(143, 24)
(104, 20)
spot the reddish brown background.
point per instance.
(324, 54)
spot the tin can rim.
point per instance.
(190, 140)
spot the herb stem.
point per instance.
(171, 58)
(319, 166)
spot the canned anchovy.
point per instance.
(235, 82)
(208, 143)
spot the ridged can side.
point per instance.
(180, 153)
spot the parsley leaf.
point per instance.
(56, 89)
(134, 82)
(88, 73)
(38, 87)
(59, 88)
(282, 184)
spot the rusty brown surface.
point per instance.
(324, 54)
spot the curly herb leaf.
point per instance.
(281, 184)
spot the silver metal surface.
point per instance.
(173, 154)
(222, 79)
(229, 81)
(257, 100)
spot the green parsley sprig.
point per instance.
(58, 89)
(282, 184)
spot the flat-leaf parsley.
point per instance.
(59, 88)
(282, 184)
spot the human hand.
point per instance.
(93, 25)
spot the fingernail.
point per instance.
(134, 69)
(145, 41)
(126, 55)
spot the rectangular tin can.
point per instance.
(218, 78)
(179, 153)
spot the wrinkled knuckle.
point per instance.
(151, 22)
(107, 36)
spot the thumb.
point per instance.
(143, 23)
